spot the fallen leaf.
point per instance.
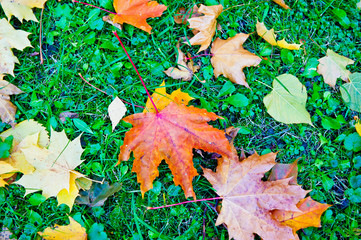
(206, 25)
(21, 9)
(162, 99)
(333, 66)
(64, 115)
(53, 166)
(358, 125)
(5, 234)
(98, 194)
(5, 168)
(282, 171)
(7, 109)
(26, 134)
(184, 71)
(68, 197)
(351, 92)
(171, 135)
(110, 19)
(182, 16)
(287, 101)
(248, 200)
(229, 58)
(270, 37)
(116, 111)
(136, 12)
(310, 215)
(10, 38)
(73, 231)
(282, 4)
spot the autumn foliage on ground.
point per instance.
(251, 194)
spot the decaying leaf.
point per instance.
(333, 66)
(284, 170)
(282, 4)
(184, 71)
(229, 58)
(310, 215)
(116, 110)
(7, 109)
(162, 99)
(182, 15)
(206, 25)
(21, 9)
(287, 101)
(64, 115)
(248, 200)
(73, 231)
(53, 165)
(171, 135)
(10, 38)
(270, 37)
(98, 194)
(351, 92)
(136, 12)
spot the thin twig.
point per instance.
(107, 93)
(140, 77)
(41, 36)
(316, 43)
(95, 7)
(176, 204)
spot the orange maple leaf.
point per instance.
(310, 215)
(171, 135)
(136, 12)
(248, 200)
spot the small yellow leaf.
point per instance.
(21, 9)
(116, 111)
(270, 37)
(73, 231)
(68, 197)
(162, 99)
(358, 125)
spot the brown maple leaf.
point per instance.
(184, 71)
(171, 135)
(229, 58)
(136, 12)
(248, 201)
(206, 25)
(182, 15)
(7, 109)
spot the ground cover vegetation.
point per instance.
(234, 85)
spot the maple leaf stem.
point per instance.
(95, 7)
(176, 204)
(140, 77)
(200, 55)
(107, 93)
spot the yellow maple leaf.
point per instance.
(10, 38)
(162, 99)
(73, 231)
(21, 9)
(53, 165)
(270, 37)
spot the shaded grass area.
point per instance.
(76, 40)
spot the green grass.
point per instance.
(77, 41)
